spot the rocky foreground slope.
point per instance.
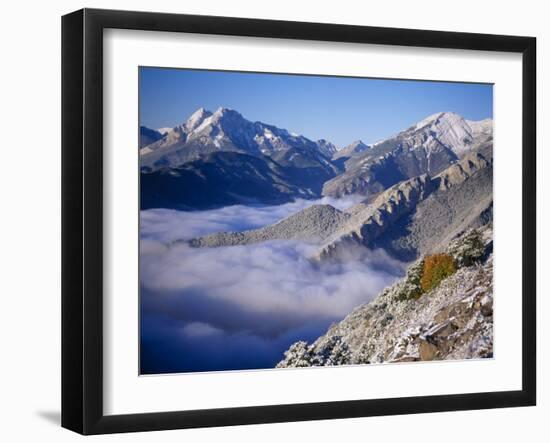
(453, 320)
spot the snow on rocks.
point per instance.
(452, 321)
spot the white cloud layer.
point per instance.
(267, 292)
(167, 225)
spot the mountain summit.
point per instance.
(197, 118)
(348, 151)
(449, 129)
(429, 146)
(205, 132)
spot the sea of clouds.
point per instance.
(240, 307)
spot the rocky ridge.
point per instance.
(402, 207)
(350, 150)
(313, 224)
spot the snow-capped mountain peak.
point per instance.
(326, 147)
(481, 126)
(430, 119)
(227, 130)
(452, 130)
(227, 115)
(164, 131)
(225, 111)
(358, 146)
(197, 118)
(428, 146)
(350, 150)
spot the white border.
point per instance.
(126, 392)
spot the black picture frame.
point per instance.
(82, 218)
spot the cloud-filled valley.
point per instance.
(240, 307)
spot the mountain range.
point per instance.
(220, 158)
(421, 187)
(424, 192)
(409, 219)
(427, 147)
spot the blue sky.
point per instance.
(338, 109)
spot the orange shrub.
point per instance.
(436, 268)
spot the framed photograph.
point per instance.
(268, 221)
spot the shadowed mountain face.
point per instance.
(327, 148)
(222, 179)
(148, 136)
(220, 158)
